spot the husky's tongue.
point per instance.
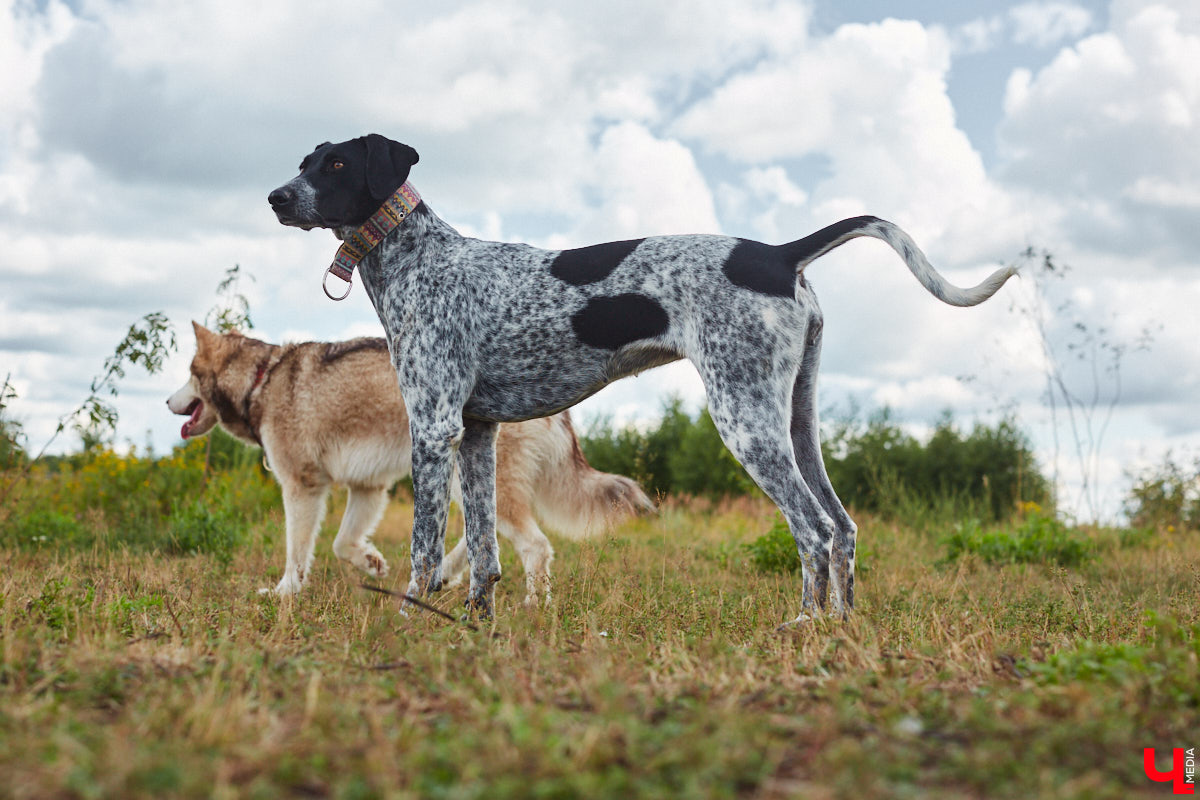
(195, 408)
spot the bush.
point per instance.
(1038, 539)
(873, 467)
(171, 504)
(1165, 497)
(12, 435)
(775, 550)
(42, 528)
(198, 528)
(878, 467)
(680, 455)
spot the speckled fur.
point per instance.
(482, 332)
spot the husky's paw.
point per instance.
(286, 587)
(533, 601)
(537, 590)
(363, 556)
(372, 563)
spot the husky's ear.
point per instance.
(204, 337)
(388, 165)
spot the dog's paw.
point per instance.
(802, 622)
(363, 556)
(533, 601)
(808, 619)
(481, 597)
(286, 587)
(477, 608)
(372, 563)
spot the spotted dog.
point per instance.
(485, 332)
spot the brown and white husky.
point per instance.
(327, 413)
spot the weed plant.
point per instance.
(1037, 539)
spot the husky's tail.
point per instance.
(574, 499)
(803, 252)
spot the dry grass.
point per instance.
(656, 672)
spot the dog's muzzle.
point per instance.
(282, 201)
(280, 198)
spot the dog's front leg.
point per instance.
(433, 447)
(477, 473)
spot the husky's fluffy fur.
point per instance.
(327, 413)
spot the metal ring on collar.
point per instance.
(349, 286)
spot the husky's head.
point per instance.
(222, 377)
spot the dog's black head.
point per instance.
(341, 185)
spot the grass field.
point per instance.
(657, 671)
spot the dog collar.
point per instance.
(357, 245)
(263, 371)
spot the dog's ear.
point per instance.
(204, 337)
(388, 165)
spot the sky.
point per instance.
(139, 140)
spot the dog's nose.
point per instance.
(279, 197)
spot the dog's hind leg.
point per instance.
(536, 554)
(807, 445)
(455, 564)
(364, 508)
(752, 413)
(304, 508)
(531, 545)
(477, 473)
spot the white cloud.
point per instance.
(1164, 193)
(978, 35)
(1041, 24)
(25, 36)
(1048, 23)
(1110, 125)
(646, 186)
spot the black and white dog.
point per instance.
(487, 332)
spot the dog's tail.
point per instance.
(576, 500)
(803, 252)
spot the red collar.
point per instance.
(258, 376)
(262, 372)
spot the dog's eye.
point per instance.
(336, 164)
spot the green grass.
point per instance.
(1037, 539)
(657, 671)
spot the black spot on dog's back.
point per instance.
(761, 268)
(813, 245)
(586, 265)
(773, 269)
(613, 322)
